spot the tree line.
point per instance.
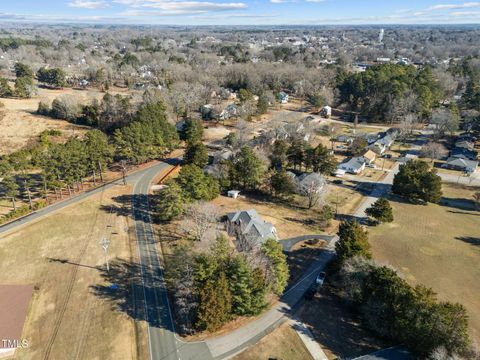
(394, 309)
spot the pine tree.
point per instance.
(277, 268)
(353, 241)
(215, 304)
(170, 202)
(381, 210)
(196, 154)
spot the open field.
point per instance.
(438, 246)
(20, 123)
(283, 343)
(61, 255)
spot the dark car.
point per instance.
(338, 181)
(310, 293)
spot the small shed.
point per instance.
(326, 111)
(233, 193)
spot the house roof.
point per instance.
(254, 225)
(353, 163)
(462, 163)
(465, 144)
(14, 301)
(370, 155)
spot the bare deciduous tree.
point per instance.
(200, 219)
(434, 151)
(313, 188)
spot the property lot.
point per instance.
(21, 123)
(61, 256)
(283, 343)
(438, 246)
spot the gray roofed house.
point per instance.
(465, 144)
(464, 153)
(353, 165)
(461, 164)
(249, 229)
(309, 181)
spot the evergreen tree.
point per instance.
(279, 157)
(381, 210)
(170, 202)
(23, 70)
(247, 288)
(353, 241)
(10, 187)
(5, 89)
(196, 154)
(417, 182)
(320, 160)
(215, 304)
(192, 131)
(277, 268)
(249, 169)
(196, 184)
(282, 184)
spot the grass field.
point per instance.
(283, 343)
(438, 246)
(20, 123)
(61, 255)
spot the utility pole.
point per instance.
(29, 195)
(100, 170)
(105, 244)
(124, 172)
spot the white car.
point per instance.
(320, 278)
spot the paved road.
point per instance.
(234, 342)
(153, 305)
(380, 189)
(162, 339)
(60, 205)
(288, 243)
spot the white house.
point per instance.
(354, 165)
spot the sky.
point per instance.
(242, 12)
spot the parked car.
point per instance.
(320, 278)
(337, 181)
(310, 293)
(387, 156)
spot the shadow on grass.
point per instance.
(337, 327)
(469, 240)
(458, 203)
(127, 284)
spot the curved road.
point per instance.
(154, 306)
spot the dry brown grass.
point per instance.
(21, 123)
(289, 221)
(283, 343)
(438, 246)
(90, 328)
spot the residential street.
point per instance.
(380, 189)
(235, 341)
